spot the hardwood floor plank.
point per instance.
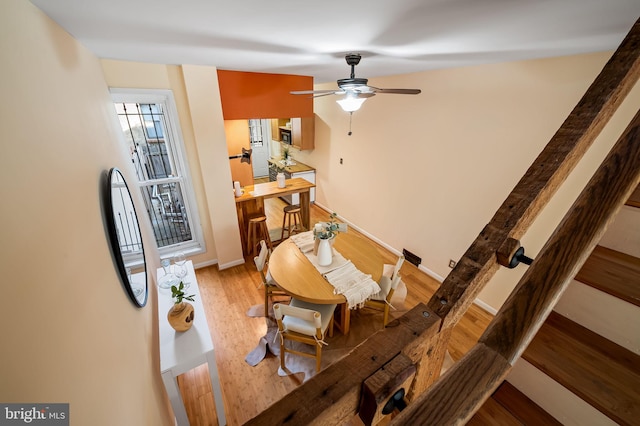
(228, 294)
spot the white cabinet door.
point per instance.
(309, 177)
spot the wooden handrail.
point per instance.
(465, 387)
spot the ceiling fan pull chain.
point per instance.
(350, 116)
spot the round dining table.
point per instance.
(298, 277)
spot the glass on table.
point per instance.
(179, 259)
(169, 278)
(180, 267)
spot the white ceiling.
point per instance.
(311, 37)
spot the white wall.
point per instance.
(69, 332)
(428, 172)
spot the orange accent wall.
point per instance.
(246, 95)
(237, 132)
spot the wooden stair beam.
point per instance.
(634, 200)
(460, 392)
(541, 180)
(526, 308)
(612, 272)
(333, 395)
(605, 375)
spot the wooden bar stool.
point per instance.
(291, 212)
(257, 231)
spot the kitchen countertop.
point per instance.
(298, 167)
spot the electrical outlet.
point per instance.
(341, 161)
(452, 263)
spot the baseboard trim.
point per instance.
(205, 264)
(231, 264)
(493, 311)
(221, 266)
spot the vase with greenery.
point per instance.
(181, 314)
(324, 235)
(327, 230)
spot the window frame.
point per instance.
(175, 142)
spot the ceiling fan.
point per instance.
(356, 90)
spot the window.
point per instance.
(152, 137)
(255, 133)
(152, 124)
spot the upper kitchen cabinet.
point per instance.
(298, 132)
(277, 125)
(303, 133)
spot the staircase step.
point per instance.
(603, 374)
(509, 406)
(613, 272)
(634, 200)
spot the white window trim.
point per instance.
(197, 245)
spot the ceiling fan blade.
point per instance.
(333, 92)
(399, 91)
(311, 92)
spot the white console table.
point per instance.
(183, 351)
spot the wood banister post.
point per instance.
(382, 386)
(429, 358)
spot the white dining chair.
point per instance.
(270, 286)
(303, 322)
(382, 300)
(388, 284)
(390, 271)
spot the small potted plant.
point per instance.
(181, 314)
(286, 156)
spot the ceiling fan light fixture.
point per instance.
(351, 103)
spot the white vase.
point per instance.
(325, 253)
(280, 178)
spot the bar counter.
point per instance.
(252, 201)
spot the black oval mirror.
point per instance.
(125, 237)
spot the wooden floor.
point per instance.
(226, 297)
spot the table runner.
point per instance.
(342, 274)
